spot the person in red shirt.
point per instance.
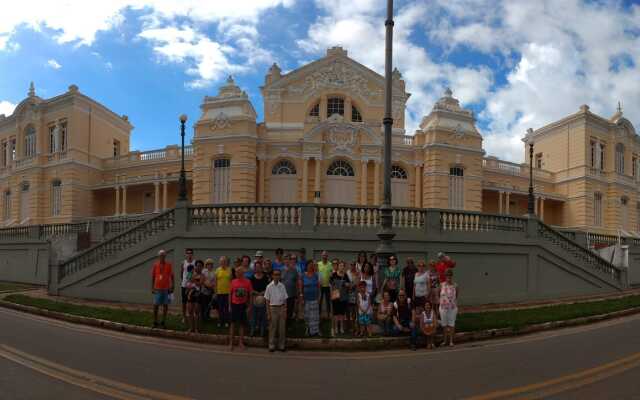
(162, 284)
(240, 304)
(444, 263)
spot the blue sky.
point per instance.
(517, 64)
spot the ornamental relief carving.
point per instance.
(221, 121)
(337, 75)
(342, 137)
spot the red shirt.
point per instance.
(240, 290)
(162, 276)
(442, 266)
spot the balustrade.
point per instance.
(243, 215)
(476, 222)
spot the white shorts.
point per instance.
(448, 316)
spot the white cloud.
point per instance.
(564, 54)
(6, 107)
(53, 64)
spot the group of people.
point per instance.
(359, 297)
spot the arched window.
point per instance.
(221, 180)
(335, 105)
(456, 188)
(355, 115)
(340, 168)
(397, 172)
(620, 158)
(315, 110)
(56, 197)
(284, 167)
(597, 209)
(30, 141)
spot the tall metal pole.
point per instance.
(386, 234)
(182, 183)
(531, 200)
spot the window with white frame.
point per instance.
(221, 180)
(620, 158)
(397, 172)
(6, 205)
(456, 188)
(597, 209)
(538, 163)
(284, 167)
(30, 142)
(335, 105)
(340, 168)
(56, 198)
(355, 115)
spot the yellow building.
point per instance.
(67, 158)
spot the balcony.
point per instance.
(169, 153)
(24, 162)
(513, 169)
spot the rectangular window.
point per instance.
(592, 155)
(4, 156)
(116, 148)
(634, 166)
(6, 206)
(56, 198)
(221, 180)
(597, 209)
(12, 149)
(335, 105)
(30, 142)
(63, 136)
(538, 163)
(456, 188)
(52, 139)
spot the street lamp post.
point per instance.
(531, 200)
(386, 234)
(182, 183)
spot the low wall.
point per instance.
(25, 262)
(499, 259)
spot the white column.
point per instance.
(165, 195)
(156, 197)
(316, 183)
(124, 199)
(305, 180)
(418, 189)
(117, 201)
(508, 202)
(363, 183)
(376, 183)
(500, 202)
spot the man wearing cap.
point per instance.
(443, 265)
(162, 283)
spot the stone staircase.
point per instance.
(113, 245)
(581, 255)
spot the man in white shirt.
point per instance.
(276, 297)
(187, 271)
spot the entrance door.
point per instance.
(340, 190)
(148, 202)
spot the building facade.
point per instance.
(67, 158)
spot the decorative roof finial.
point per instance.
(448, 92)
(32, 90)
(620, 107)
(230, 80)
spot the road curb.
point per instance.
(325, 344)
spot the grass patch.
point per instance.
(8, 286)
(516, 319)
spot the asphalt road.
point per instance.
(47, 359)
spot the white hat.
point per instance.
(162, 252)
(440, 254)
(259, 253)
